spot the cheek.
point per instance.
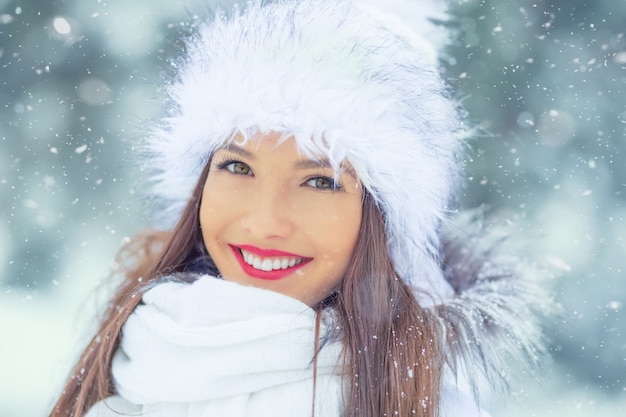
(212, 212)
(336, 231)
(208, 220)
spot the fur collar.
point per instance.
(500, 299)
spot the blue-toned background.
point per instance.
(545, 81)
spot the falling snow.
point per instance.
(544, 83)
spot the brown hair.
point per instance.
(390, 342)
(391, 359)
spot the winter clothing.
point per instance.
(216, 348)
(193, 350)
(348, 81)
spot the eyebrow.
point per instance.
(311, 164)
(240, 151)
(324, 163)
(301, 164)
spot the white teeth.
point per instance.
(268, 264)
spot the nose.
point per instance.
(268, 215)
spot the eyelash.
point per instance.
(334, 185)
(226, 161)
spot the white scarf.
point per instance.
(215, 348)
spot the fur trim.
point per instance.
(493, 320)
(346, 82)
(415, 18)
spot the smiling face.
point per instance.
(274, 219)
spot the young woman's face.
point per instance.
(274, 219)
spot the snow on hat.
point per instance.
(343, 78)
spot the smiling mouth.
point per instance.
(267, 264)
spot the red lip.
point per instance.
(267, 275)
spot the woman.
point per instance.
(307, 166)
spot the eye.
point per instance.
(239, 168)
(236, 167)
(322, 183)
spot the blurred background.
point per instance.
(544, 80)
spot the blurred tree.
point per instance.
(72, 108)
(545, 80)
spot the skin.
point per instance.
(267, 195)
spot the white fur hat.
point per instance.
(343, 78)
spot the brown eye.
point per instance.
(238, 168)
(322, 183)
